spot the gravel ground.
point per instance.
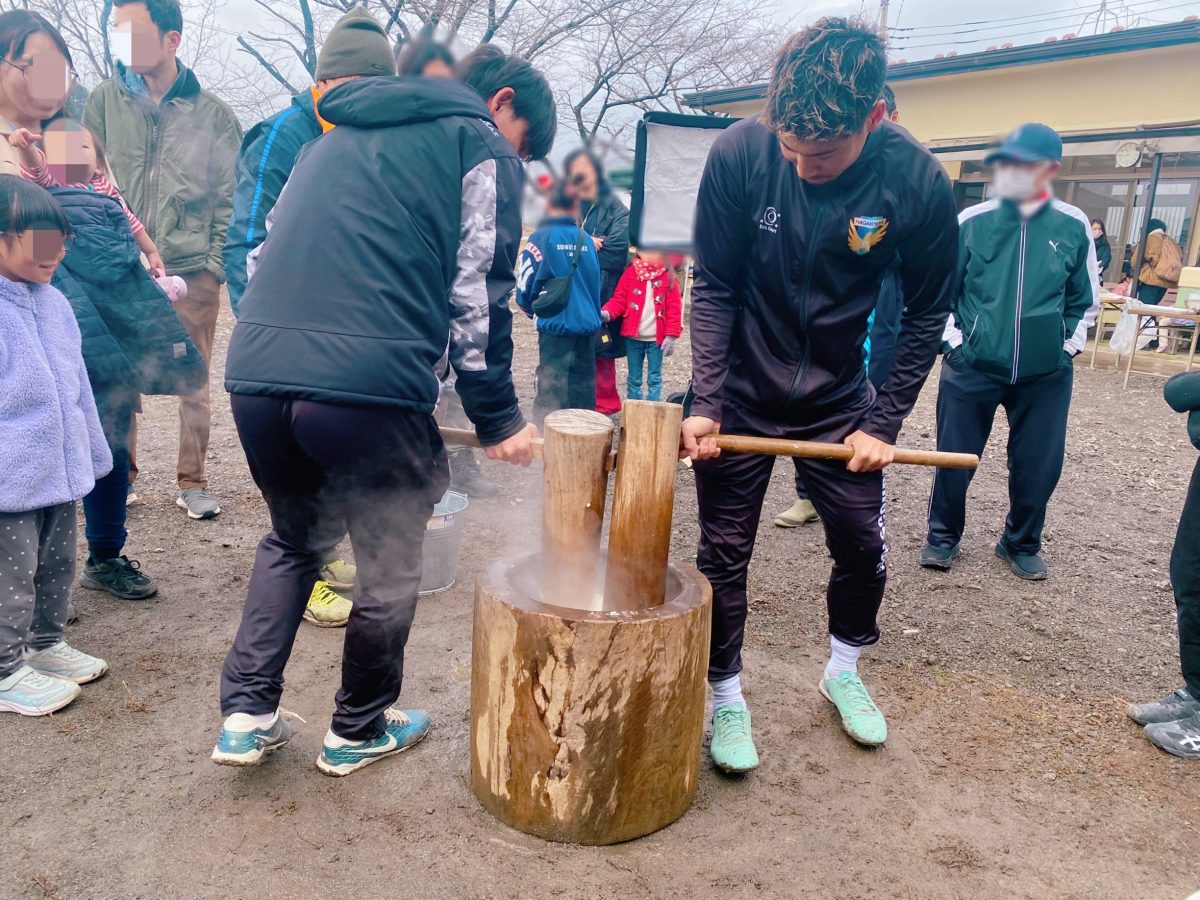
(1010, 771)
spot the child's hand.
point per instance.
(605, 316)
(23, 139)
(668, 346)
(157, 268)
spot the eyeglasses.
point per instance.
(48, 68)
(44, 244)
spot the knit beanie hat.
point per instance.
(357, 45)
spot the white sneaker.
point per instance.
(30, 693)
(64, 661)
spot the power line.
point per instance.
(901, 42)
(1034, 18)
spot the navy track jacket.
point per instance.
(788, 274)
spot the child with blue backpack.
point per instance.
(558, 285)
(53, 452)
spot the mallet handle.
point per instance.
(737, 443)
(464, 437)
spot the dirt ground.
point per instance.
(1011, 770)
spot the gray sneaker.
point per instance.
(1176, 705)
(1179, 738)
(939, 558)
(199, 503)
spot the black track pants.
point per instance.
(731, 490)
(325, 470)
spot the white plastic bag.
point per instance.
(1121, 341)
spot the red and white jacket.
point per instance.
(630, 299)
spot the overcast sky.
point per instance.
(939, 26)
(921, 28)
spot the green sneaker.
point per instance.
(732, 747)
(860, 716)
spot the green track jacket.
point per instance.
(1027, 289)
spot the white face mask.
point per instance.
(121, 45)
(1016, 182)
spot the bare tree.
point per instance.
(610, 56)
(645, 58)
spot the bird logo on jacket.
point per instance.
(866, 232)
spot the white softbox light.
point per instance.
(671, 152)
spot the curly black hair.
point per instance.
(826, 79)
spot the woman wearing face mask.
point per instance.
(1103, 247)
(36, 77)
(606, 219)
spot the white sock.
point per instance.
(842, 658)
(727, 692)
(247, 722)
(333, 741)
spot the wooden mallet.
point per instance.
(576, 450)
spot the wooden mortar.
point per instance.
(586, 727)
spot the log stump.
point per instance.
(586, 726)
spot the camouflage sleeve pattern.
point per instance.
(480, 319)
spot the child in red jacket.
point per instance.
(647, 296)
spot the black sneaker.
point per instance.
(466, 477)
(121, 577)
(939, 558)
(1027, 566)
(1176, 705)
(1180, 738)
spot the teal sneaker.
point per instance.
(32, 693)
(243, 743)
(403, 730)
(732, 747)
(860, 716)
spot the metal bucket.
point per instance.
(443, 541)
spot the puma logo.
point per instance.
(1053, 246)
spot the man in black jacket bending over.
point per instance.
(802, 213)
(397, 233)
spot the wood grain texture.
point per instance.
(578, 444)
(587, 727)
(639, 535)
